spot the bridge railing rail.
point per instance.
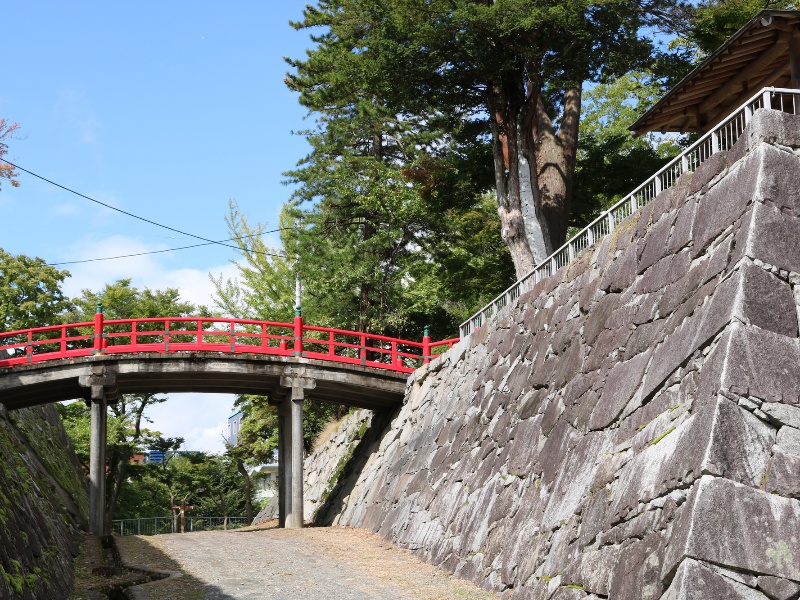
(722, 137)
(206, 334)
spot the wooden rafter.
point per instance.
(763, 52)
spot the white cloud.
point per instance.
(201, 419)
(146, 271)
(67, 209)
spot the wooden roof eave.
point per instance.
(710, 74)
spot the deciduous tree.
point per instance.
(126, 434)
(611, 162)
(6, 170)
(30, 292)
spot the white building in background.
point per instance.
(234, 427)
(265, 477)
(265, 480)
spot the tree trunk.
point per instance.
(555, 164)
(114, 481)
(507, 187)
(174, 512)
(534, 167)
(248, 492)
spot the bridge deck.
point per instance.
(204, 372)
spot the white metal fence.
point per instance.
(157, 525)
(722, 137)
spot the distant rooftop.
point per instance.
(763, 53)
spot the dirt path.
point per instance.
(281, 564)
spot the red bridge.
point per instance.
(288, 362)
(204, 334)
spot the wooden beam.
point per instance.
(734, 84)
(766, 81)
(794, 59)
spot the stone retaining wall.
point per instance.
(630, 429)
(43, 501)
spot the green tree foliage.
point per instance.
(30, 292)
(265, 285)
(716, 20)
(256, 442)
(209, 482)
(127, 435)
(219, 491)
(385, 182)
(144, 496)
(510, 71)
(611, 161)
(120, 300)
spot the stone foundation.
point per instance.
(629, 429)
(43, 502)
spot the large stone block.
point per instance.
(783, 476)
(767, 174)
(696, 581)
(725, 202)
(739, 527)
(782, 414)
(681, 234)
(655, 242)
(592, 570)
(789, 440)
(635, 576)
(751, 294)
(772, 237)
(708, 170)
(571, 484)
(760, 363)
(772, 127)
(620, 385)
(778, 589)
(767, 301)
(721, 439)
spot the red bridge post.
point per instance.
(298, 332)
(426, 346)
(99, 339)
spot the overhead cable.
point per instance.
(88, 260)
(119, 210)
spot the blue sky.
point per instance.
(163, 109)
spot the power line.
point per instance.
(119, 210)
(88, 260)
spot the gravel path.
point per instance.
(280, 564)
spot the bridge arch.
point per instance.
(287, 381)
(288, 362)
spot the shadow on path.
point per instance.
(138, 553)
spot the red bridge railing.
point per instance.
(226, 336)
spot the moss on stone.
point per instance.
(362, 431)
(35, 461)
(17, 580)
(662, 436)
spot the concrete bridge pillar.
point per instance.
(97, 463)
(290, 443)
(284, 458)
(101, 388)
